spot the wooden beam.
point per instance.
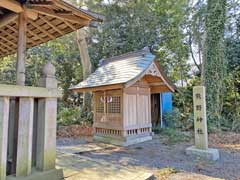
(41, 4)
(11, 5)
(53, 26)
(158, 89)
(70, 25)
(99, 88)
(52, 13)
(15, 31)
(4, 48)
(9, 35)
(10, 42)
(8, 19)
(156, 84)
(64, 12)
(31, 14)
(35, 35)
(76, 11)
(42, 30)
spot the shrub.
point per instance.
(74, 115)
(176, 119)
(172, 136)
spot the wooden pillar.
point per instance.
(25, 132)
(20, 80)
(4, 113)
(47, 116)
(21, 51)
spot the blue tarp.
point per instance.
(166, 105)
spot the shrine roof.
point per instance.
(123, 70)
(46, 20)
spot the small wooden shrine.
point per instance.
(122, 88)
(28, 114)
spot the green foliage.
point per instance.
(7, 70)
(74, 115)
(176, 119)
(214, 66)
(129, 26)
(172, 47)
(68, 116)
(182, 115)
(171, 136)
(231, 105)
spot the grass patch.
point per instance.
(162, 174)
(171, 136)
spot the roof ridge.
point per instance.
(141, 52)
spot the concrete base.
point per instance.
(55, 174)
(209, 154)
(124, 141)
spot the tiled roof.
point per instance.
(118, 70)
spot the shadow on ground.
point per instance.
(153, 155)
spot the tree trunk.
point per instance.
(213, 66)
(86, 65)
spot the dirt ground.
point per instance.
(156, 155)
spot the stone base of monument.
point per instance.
(209, 154)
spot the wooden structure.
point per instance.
(122, 88)
(28, 114)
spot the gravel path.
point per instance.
(154, 155)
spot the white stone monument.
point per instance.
(200, 126)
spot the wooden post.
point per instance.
(4, 113)
(25, 132)
(20, 80)
(21, 51)
(47, 116)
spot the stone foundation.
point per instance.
(54, 174)
(122, 141)
(209, 154)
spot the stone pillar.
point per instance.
(200, 126)
(4, 116)
(25, 132)
(11, 124)
(200, 118)
(47, 115)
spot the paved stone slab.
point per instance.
(84, 148)
(77, 167)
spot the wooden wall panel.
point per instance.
(136, 103)
(130, 110)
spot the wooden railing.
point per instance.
(28, 115)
